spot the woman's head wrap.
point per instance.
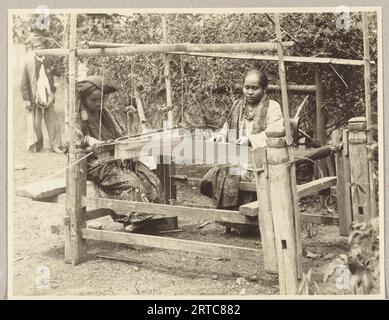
(91, 83)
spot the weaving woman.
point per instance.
(127, 179)
(249, 117)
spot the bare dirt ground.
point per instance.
(38, 241)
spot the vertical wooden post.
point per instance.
(283, 197)
(320, 123)
(281, 69)
(367, 78)
(166, 61)
(76, 174)
(359, 171)
(165, 169)
(320, 127)
(289, 140)
(343, 187)
(265, 219)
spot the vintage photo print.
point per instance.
(195, 153)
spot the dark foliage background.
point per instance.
(203, 88)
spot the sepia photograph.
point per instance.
(195, 153)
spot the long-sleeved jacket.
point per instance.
(28, 85)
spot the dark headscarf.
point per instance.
(89, 124)
(90, 83)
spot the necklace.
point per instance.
(247, 113)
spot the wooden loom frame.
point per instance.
(76, 200)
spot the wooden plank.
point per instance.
(250, 209)
(314, 186)
(122, 206)
(42, 189)
(214, 250)
(253, 209)
(264, 212)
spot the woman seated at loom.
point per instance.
(249, 117)
(127, 179)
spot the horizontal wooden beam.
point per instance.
(252, 209)
(314, 186)
(319, 219)
(211, 249)
(123, 206)
(90, 215)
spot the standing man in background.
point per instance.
(38, 92)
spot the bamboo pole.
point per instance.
(182, 47)
(281, 69)
(76, 173)
(168, 86)
(227, 55)
(254, 56)
(367, 80)
(264, 45)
